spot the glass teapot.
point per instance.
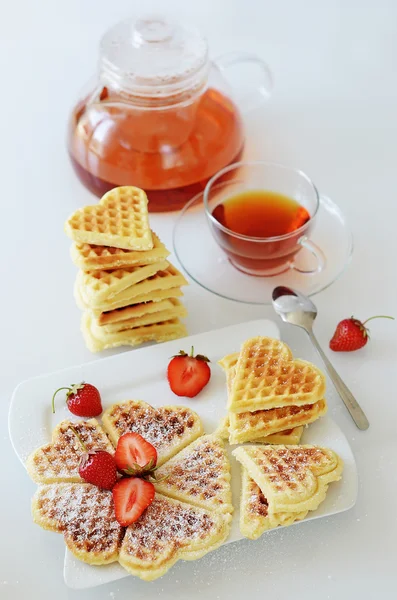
(162, 116)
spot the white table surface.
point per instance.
(333, 114)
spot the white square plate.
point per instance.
(141, 375)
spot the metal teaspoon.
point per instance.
(295, 308)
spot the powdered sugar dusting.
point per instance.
(257, 503)
(165, 527)
(202, 473)
(61, 459)
(84, 513)
(161, 427)
(288, 467)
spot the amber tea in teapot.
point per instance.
(160, 117)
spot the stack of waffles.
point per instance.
(281, 484)
(189, 516)
(128, 290)
(271, 395)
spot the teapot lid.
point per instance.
(154, 56)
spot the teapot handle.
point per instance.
(254, 95)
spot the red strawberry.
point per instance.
(134, 455)
(83, 400)
(99, 468)
(188, 374)
(351, 334)
(131, 497)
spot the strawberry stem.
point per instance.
(53, 398)
(378, 317)
(192, 352)
(79, 438)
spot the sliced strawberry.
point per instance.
(131, 497)
(188, 374)
(134, 455)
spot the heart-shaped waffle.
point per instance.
(284, 437)
(90, 257)
(266, 376)
(255, 517)
(168, 531)
(200, 475)
(168, 428)
(59, 460)
(119, 220)
(252, 426)
(100, 286)
(291, 478)
(85, 515)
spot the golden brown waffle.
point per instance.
(255, 517)
(90, 257)
(227, 363)
(251, 426)
(267, 376)
(85, 516)
(59, 460)
(168, 279)
(292, 478)
(124, 312)
(136, 311)
(169, 531)
(159, 332)
(176, 311)
(120, 220)
(102, 286)
(199, 475)
(168, 428)
(289, 436)
(261, 425)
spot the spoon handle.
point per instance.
(349, 400)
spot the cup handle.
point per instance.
(255, 97)
(316, 252)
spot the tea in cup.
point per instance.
(261, 214)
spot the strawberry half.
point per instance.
(134, 455)
(188, 374)
(131, 498)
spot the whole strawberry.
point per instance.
(99, 468)
(83, 400)
(351, 334)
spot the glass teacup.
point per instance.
(263, 255)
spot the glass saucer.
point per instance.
(203, 260)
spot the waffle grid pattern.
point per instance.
(292, 478)
(120, 219)
(123, 264)
(90, 257)
(169, 529)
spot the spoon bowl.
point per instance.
(293, 307)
